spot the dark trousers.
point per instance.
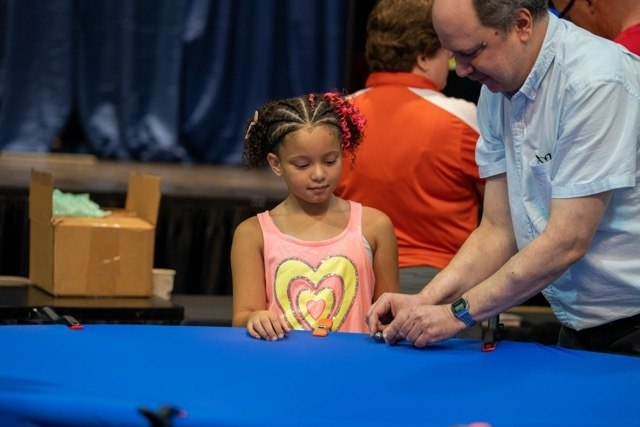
(621, 336)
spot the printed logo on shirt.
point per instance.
(306, 294)
(542, 159)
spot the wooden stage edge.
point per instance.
(88, 174)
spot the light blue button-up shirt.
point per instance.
(572, 130)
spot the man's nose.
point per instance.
(464, 68)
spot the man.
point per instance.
(559, 147)
(417, 161)
(617, 20)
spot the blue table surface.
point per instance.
(51, 375)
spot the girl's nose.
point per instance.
(318, 173)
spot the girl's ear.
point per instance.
(274, 162)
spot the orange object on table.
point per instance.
(323, 328)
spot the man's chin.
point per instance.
(492, 85)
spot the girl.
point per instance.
(314, 256)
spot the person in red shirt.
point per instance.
(617, 20)
(417, 159)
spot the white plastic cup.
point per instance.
(162, 285)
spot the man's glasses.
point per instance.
(566, 9)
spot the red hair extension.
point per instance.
(312, 99)
(346, 111)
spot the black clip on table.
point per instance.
(492, 333)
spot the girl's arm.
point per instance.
(247, 270)
(378, 230)
(249, 293)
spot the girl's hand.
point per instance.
(267, 325)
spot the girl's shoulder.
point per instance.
(247, 238)
(377, 227)
(372, 215)
(249, 227)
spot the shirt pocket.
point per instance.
(537, 193)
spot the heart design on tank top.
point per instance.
(306, 294)
(315, 308)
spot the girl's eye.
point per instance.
(300, 165)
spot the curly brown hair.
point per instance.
(398, 31)
(275, 120)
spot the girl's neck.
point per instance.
(311, 221)
(294, 205)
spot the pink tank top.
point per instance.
(310, 280)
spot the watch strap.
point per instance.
(460, 309)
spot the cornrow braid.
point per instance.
(277, 119)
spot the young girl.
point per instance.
(314, 256)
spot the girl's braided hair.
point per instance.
(275, 120)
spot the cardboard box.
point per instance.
(80, 256)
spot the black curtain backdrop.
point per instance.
(158, 80)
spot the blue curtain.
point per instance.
(35, 72)
(159, 80)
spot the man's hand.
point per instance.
(385, 309)
(422, 325)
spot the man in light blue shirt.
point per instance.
(559, 117)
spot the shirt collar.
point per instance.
(545, 58)
(400, 79)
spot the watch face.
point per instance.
(460, 310)
(459, 305)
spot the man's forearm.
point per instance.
(484, 252)
(527, 273)
(564, 241)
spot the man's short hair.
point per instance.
(500, 14)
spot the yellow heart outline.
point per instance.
(293, 269)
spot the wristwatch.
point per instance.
(460, 309)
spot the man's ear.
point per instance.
(275, 164)
(524, 24)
